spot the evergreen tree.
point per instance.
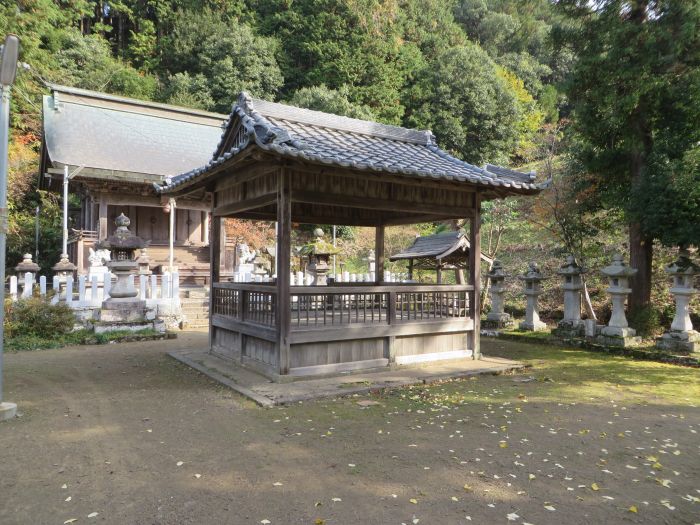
(635, 90)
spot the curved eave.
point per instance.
(488, 181)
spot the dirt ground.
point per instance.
(123, 434)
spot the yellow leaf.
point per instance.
(467, 488)
(531, 476)
(653, 459)
(656, 466)
(595, 486)
(319, 521)
(414, 501)
(633, 508)
(503, 444)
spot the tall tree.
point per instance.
(635, 89)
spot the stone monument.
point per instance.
(497, 317)
(244, 260)
(144, 262)
(681, 337)
(123, 310)
(63, 268)
(571, 324)
(97, 266)
(618, 332)
(533, 288)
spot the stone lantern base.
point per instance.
(680, 342)
(570, 328)
(617, 336)
(534, 326)
(498, 320)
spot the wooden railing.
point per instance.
(253, 303)
(342, 305)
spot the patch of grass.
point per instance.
(20, 343)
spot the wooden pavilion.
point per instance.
(290, 165)
(439, 252)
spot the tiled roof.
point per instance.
(106, 133)
(328, 139)
(436, 246)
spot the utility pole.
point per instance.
(8, 72)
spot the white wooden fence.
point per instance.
(84, 292)
(301, 279)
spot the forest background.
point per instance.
(603, 98)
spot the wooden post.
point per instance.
(214, 256)
(410, 269)
(475, 274)
(438, 271)
(102, 230)
(379, 253)
(284, 232)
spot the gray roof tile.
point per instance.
(330, 139)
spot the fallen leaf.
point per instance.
(72, 520)
(265, 522)
(595, 486)
(197, 476)
(68, 498)
(512, 516)
(633, 508)
(337, 500)
(277, 484)
(549, 507)
(93, 514)
(414, 501)
(319, 521)
(180, 463)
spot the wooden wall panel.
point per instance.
(226, 343)
(333, 352)
(260, 350)
(427, 344)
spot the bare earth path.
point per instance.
(592, 440)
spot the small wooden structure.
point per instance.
(121, 147)
(292, 165)
(439, 252)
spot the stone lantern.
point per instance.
(681, 337)
(618, 332)
(123, 305)
(144, 262)
(319, 252)
(571, 272)
(27, 265)
(497, 316)
(63, 268)
(533, 288)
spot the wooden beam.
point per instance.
(245, 205)
(379, 253)
(351, 201)
(283, 255)
(475, 275)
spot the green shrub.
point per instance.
(35, 317)
(646, 321)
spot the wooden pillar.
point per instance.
(206, 220)
(438, 271)
(284, 232)
(379, 253)
(214, 258)
(102, 229)
(475, 273)
(410, 269)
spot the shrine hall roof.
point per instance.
(131, 139)
(327, 139)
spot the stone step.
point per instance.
(195, 303)
(195, 317)
(197, 323)
(197, 293)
